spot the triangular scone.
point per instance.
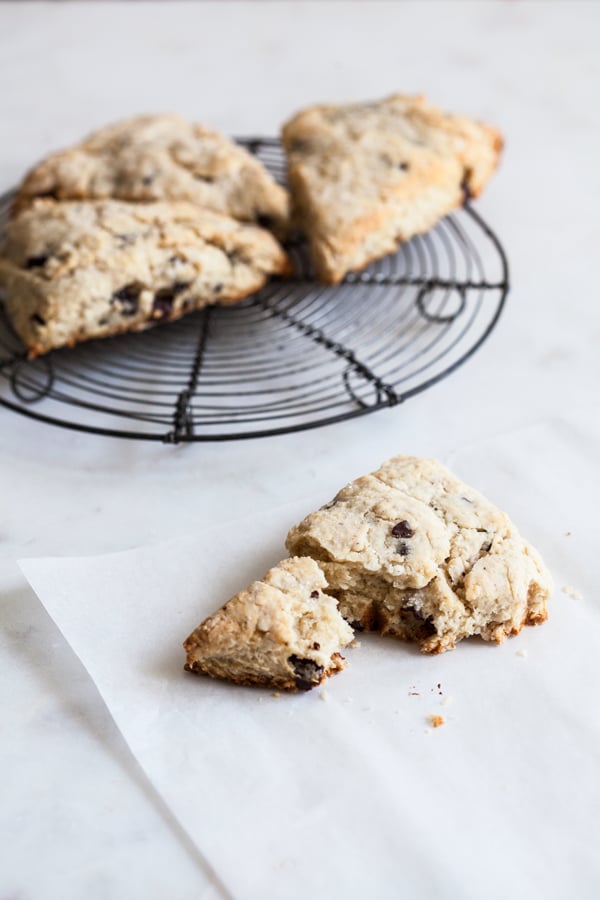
(162, 157)
(78, 270)
(366, 176)
(283, 632)
(413, 552)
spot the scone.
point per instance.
(366, 176)
(162, 157)
(284, 632)
(413, 552)
(78, 270)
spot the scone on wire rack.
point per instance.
(161, 157)
(71, 271)
(283, 632)
(413, 552)
(365, 177)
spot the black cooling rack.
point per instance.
(294, 356)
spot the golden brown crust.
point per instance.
(73, 271)
(365, 177)
(289, 685)
(412, 552)
(162, 157)
(283, 632)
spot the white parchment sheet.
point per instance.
(353, 792)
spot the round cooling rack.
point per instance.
(294, 356)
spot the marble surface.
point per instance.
(78, 818)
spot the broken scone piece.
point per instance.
(161, 157)
(413, 552)
(283, 632)
(72, 271)
(365, 177)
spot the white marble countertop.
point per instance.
(78, 817)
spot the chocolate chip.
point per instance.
(299, 146)
(38, 319)
(464, 185)
(128, 297)
(403, 529)
(265, 220)
(207, 178)
(316, 645)
(217, 288)
(404, 166)
(165, 297)
(36, 262)
(403, 549)
(148, 179)
(314, 594)
(163, 302)
(307, 672)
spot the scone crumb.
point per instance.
(436, 721)
(567, 534)
(324, 695)
(571, 591)
(355, 644)
(522, 652)
(276, 694)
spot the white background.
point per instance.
(77, 816)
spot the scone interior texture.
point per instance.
(365, 177)
(413, 552)
(162, 157)
(71, 271)
(283, 632)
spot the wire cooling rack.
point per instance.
(294, 356)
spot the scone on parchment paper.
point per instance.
(71, 271)
(365, 177)
(413, 552)
(161, 157)
(283, 632)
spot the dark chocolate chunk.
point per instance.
(165, 297)
(38, 319)
(36, 262)
(404, 166)
(128, 297)
(307, 673)
(314, 594)
(217, 288)
(403, 549)
(403, 529)
(316, 645)
(163, 302)
(356, 625)
(265, 220)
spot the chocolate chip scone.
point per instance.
(413, 552)
(284, 632)
(74, 271)
(366, 176)
(163, 157)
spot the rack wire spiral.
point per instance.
(294, 356)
